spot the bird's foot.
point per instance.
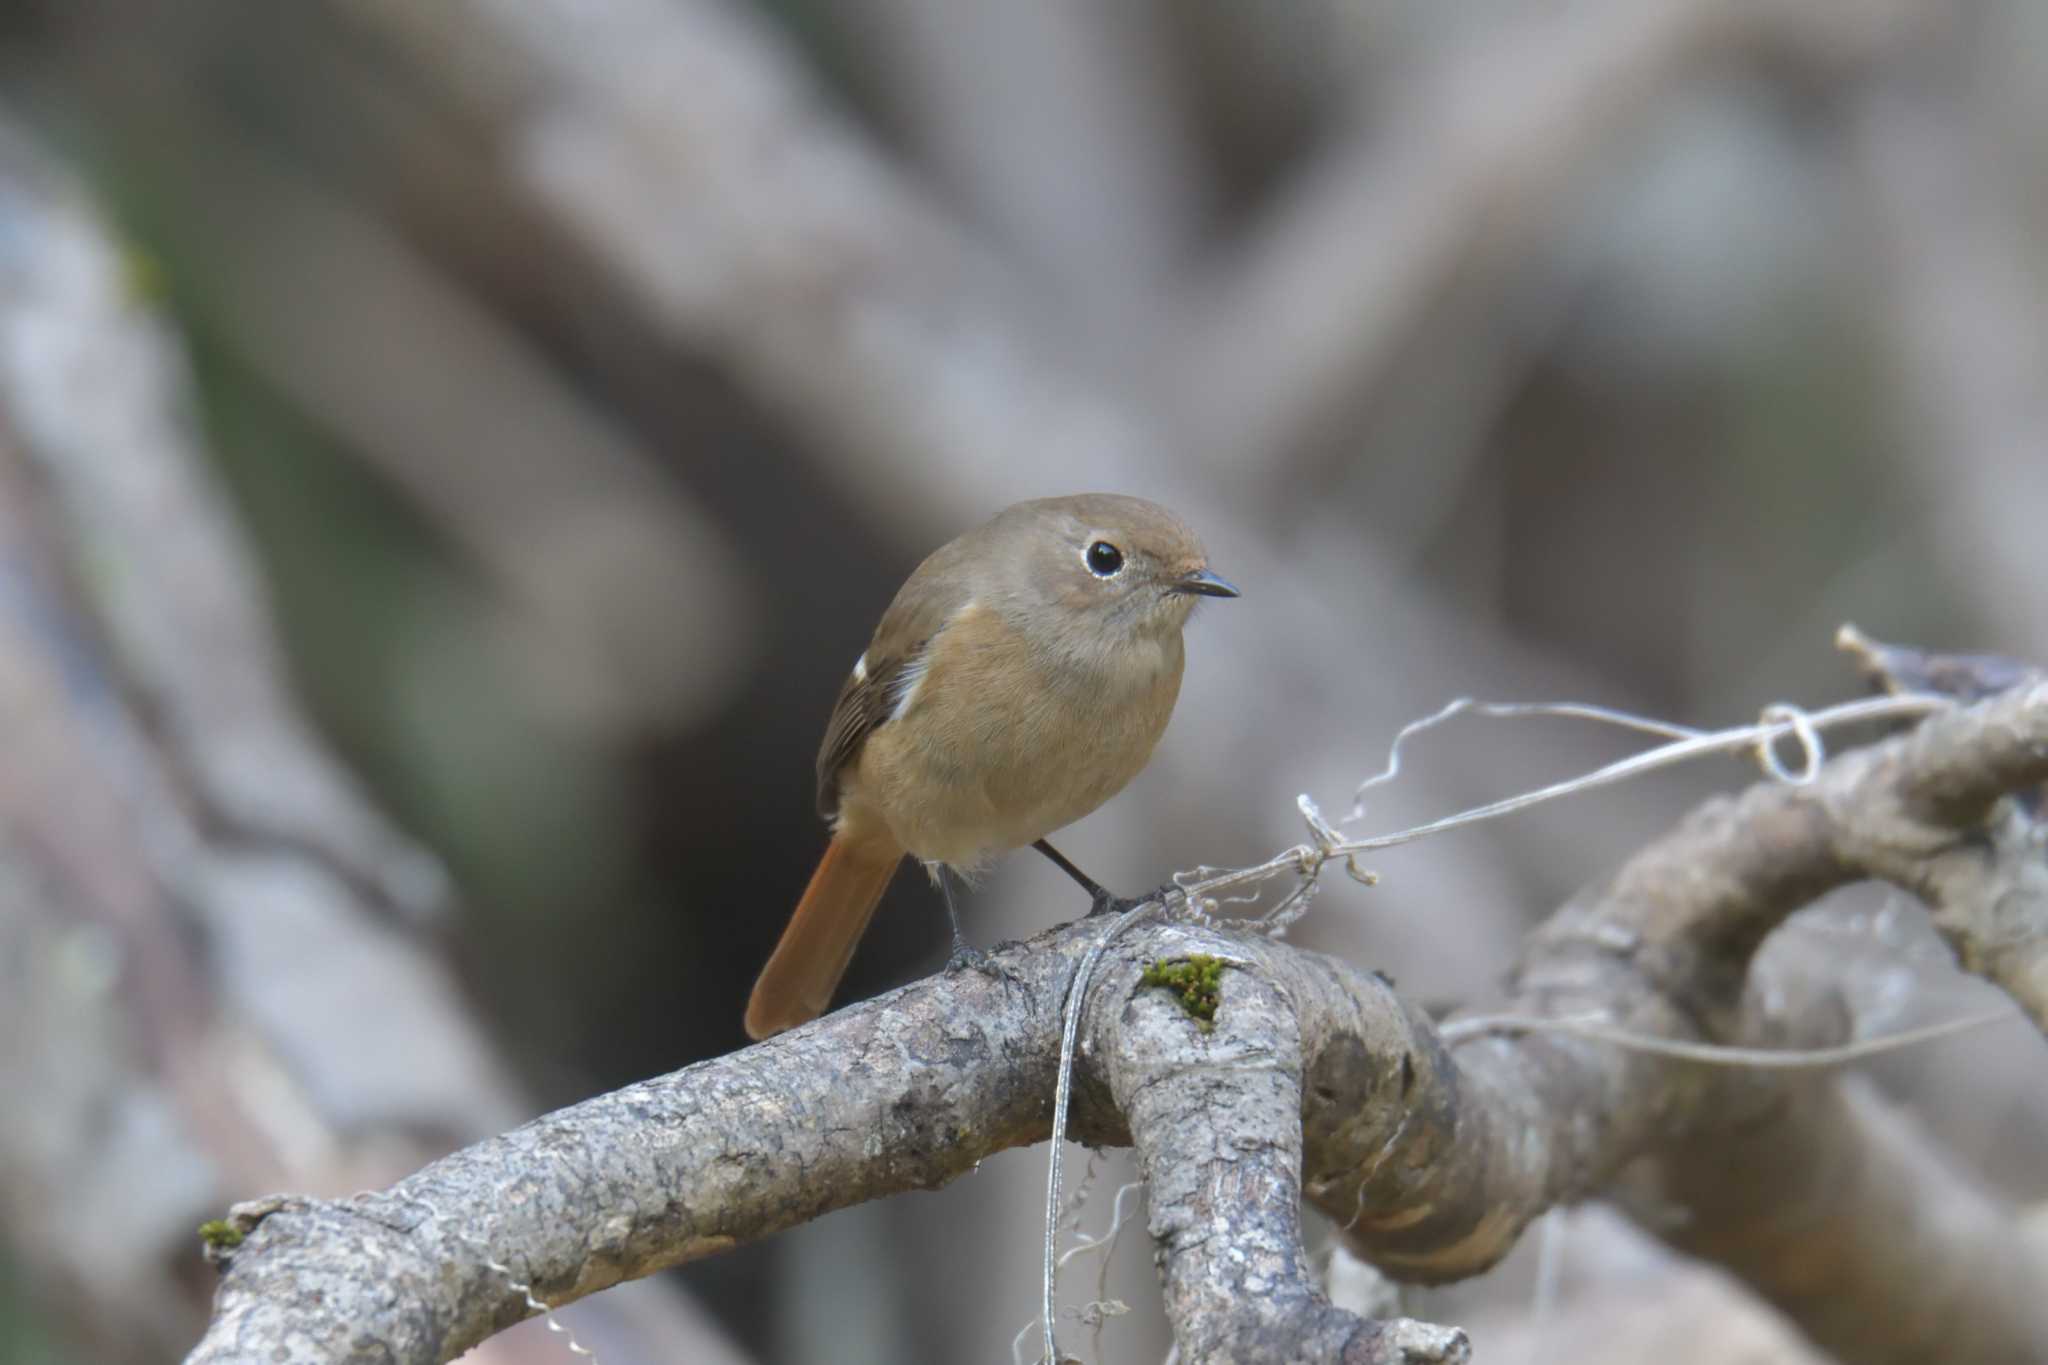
(1102, 902)
(968, 958)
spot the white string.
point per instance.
(1307, 860)
(1109, 1234)
(1718, 1054)
(546, 1311)
(518, 1286)
(1063, 1093)
(1565, 709)
(1692, 744)
(1097, 1314)
(1077, 1202)
(1204, 888)
(1809, 742)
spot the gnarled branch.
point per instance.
(1433, 1160)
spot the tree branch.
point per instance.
(1982, 867)
(1832, 1205)
(1953, 286)
(1217, 1122)
(1433, 1162)
(1315, 304)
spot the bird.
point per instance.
(1020, 678)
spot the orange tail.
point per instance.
(797, 984)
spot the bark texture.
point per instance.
(1311, 1077)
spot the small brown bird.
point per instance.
(1018, 681)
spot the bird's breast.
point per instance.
(1008, 740)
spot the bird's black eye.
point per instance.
(1104, 559)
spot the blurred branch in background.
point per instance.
(1298, 330)
(1961, 306)
(1056, 129)
(582, 540)
(205, 986)
(689, 150)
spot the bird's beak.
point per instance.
(1203, 583)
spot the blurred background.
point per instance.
(450, 455)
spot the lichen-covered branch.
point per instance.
(1982, 868)
(1990, 902)
(1663, 948)
(1433, 1160)
(903, 1092)
(1225, 1196)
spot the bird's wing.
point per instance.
(894, 661)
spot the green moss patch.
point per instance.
(220, 1234)
(1196, 982)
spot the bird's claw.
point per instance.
(966, 957)
(1104, 903)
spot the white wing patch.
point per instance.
(903, 688)
(907, 683)
(860, 669)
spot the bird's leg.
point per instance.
(965, 954)
(1102, 901)
(1097, 892)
